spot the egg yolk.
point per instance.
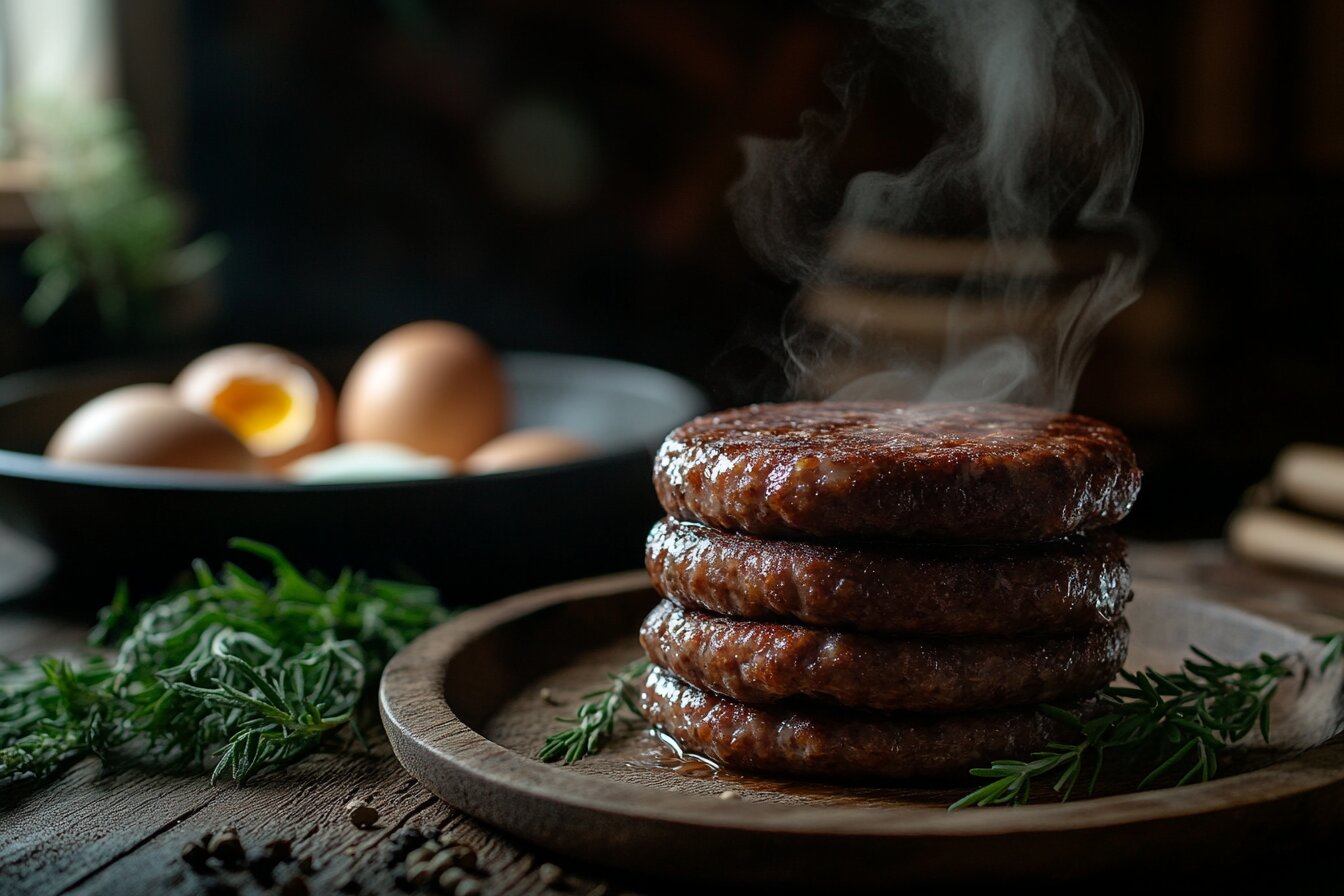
(249, 406)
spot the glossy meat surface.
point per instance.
(992, 472)
(777, 739)
(1067, 585)
(765, 662)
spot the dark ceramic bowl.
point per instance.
(476, 537)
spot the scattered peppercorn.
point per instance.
(422, 854)
(441, 862)
(408, 838)
(262, 869)
(463, 856)
(451, 878)
(419, 873)
(295, 886)
(362, 815)
(227, 846)
(195, 855)
(280, 850)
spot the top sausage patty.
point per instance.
(959, 472)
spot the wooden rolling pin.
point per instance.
(1311, 477)
(1283, 538)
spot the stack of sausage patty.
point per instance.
(879, 590)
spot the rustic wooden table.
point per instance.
(90, 833)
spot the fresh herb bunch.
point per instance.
(1172, 724)
(233, 671)
(109, 232)
(595, 720)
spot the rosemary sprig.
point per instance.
(233, 671)
(1334, 649)
(595, 720)
(1172, 724)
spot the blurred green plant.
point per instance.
(109, 231)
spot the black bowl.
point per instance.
(475, 537)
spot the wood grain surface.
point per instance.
(94, 833)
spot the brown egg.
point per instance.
(276, 402)
(523, 448)
(432, 386)
(145, 426)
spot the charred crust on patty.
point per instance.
(957, 472)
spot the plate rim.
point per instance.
(418, 673)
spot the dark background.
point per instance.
(350, 152)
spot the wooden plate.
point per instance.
(464, 706)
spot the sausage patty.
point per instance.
(992, 472)
(822, 742)
(765, 662)
(1070, 584)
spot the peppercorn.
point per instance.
(440, 863)
(362, 815)
(279, 850)
(262, 868)
(419, 873)
(195, 855)
(450, 879)
(463, 856)
(408, 839)
(550, 874)
(422, 854)
(227, 846)
(295, 886)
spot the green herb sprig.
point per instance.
(233, 671)
(1333, 649)
(595, 720)
(1171, 724)
(110, 234)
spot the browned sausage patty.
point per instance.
(1070, 584)
(765, 662)
(992, 472)
(837, 743)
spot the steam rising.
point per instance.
(1014, 231)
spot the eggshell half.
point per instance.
(277, 403)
